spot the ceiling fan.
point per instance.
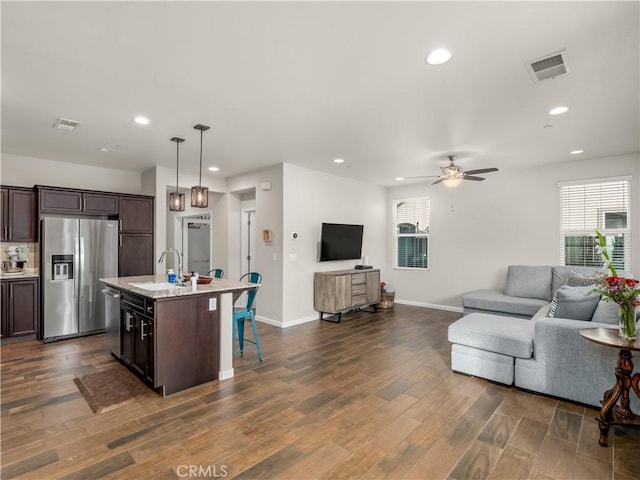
(452, 175)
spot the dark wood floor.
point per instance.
(372, 397)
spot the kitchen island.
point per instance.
(173, 338)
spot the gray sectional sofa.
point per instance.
(505, 336)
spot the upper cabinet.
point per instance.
(77, 202)
(18, 215)
(136, 214)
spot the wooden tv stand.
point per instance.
(338, 291)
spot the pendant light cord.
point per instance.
(200, 178)
(177, 157)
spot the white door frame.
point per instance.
(247, 240)
(180, 234)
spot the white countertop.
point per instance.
(217, 285)
(26, 273)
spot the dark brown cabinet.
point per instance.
(136, 255)
(143, 361)
(77, 202)
(136, 236)
(136, 214)
(136, 333)
(18, 214)
(4, 297)
(19, 307)
(100, 203)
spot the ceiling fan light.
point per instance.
(452, 182)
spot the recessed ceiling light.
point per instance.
(104, 149)
(399, 179)
(338, 160)
(140, 120)
(213, 169)
(558, 110)
(576, 152)
(439, 56)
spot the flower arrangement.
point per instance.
(620, 290)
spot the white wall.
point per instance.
(310, 198)
(155, 182)
(268, 216)
(26, 172)
(511, 218)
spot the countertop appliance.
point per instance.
(112, 320)
(75, 254)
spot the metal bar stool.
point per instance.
(242, 313)
(217, 272)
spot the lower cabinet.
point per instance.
(19, 307)
(137, 328)
(143, 361)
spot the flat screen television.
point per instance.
(340, 241)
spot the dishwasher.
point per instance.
(112, 320)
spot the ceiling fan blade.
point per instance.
(481, 170)
(437, 181)
(470, 177)
(427, 176)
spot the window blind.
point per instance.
(585, 207)
(411, 219)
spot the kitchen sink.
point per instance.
(156, 286)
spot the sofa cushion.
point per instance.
(560, 274)
(606, 312)
(576, 303)
(493, 333)
(493, 300)
(575, 279)
(529, 282)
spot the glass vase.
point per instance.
(627, 321)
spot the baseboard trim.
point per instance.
(291, 323)
(224, 374)
(436, 306)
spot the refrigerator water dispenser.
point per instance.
(61, 267)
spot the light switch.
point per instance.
(293, 257)
(274, 257)
(213, 304)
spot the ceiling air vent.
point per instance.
(66, 124)
(551, 66)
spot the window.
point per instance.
(587, 206)
(411, 232)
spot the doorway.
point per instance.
(196, 243)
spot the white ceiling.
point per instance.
(306, 82)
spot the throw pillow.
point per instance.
(584, 280)
(552, 307)
(576, 303)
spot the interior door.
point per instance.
(248, 249)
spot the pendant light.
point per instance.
(176, 199)
(200, 194)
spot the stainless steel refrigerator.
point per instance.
(76, 253)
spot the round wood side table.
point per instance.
(610, 414)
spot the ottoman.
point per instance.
(486, 345)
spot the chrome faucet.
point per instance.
(179, 261)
